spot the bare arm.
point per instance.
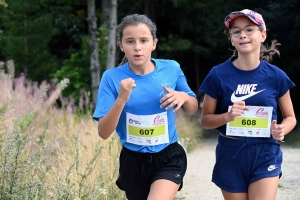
(209, 119)
(108, 123)
(190, 106)
(289, 120)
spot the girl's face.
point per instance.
(246, 36)
(137, 43)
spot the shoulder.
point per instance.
(273, 69)
(114, 71)
(166, 63)
(222, 67)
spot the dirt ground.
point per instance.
(198, 185)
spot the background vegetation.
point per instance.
(49, 39)
(49, 143)
(51, 152)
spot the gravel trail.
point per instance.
(197, 181)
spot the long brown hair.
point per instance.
(134, 19)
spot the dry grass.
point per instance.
(55, 153)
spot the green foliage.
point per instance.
(3, 3)
(27, 120)
(25, 36)
(76, 68)
(21, 176)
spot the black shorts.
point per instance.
(139, 170)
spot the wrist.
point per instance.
(227, 118)
(120, 101)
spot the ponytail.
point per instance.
(266, 53)
(124, 60)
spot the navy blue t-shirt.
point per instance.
(262, 86)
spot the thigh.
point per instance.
(234, 196)
(263, 189)
(163, 190)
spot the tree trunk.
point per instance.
(149, 8)
(109, 9)
(94, 49)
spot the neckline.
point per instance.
(127, 68)
(230, 60)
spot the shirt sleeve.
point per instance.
(210, 85)
(284, 84)
(182, 84)
(107, 95)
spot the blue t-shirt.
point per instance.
(264, 85)
(144, 99)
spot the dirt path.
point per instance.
(198, 185)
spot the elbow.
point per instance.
(204, 124)
(102, 135)
(192, 108)
(295, 121)
(191, 111)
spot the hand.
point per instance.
(237, 110)
(277, 131)
(173, 99)
(126, 87)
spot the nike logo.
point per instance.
(272, 167)
(242, 98)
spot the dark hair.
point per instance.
(266, 53)
(134, 19)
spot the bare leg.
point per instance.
(163, 190)
(263, 189)
(234, 196)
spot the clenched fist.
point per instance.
(126, 87)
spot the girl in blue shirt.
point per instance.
(139, 99)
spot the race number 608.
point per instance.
(249, 122)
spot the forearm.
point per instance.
(213, 120)
(289, 124)
(191, 105)
(108, 124)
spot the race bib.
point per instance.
(253, 123)
(147, 130)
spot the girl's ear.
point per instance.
(121, 47)
(264, 36)
(231, 41)
(154, 44)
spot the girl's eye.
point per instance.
(235, 32)
(249, 30)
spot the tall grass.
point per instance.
(50, 152)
